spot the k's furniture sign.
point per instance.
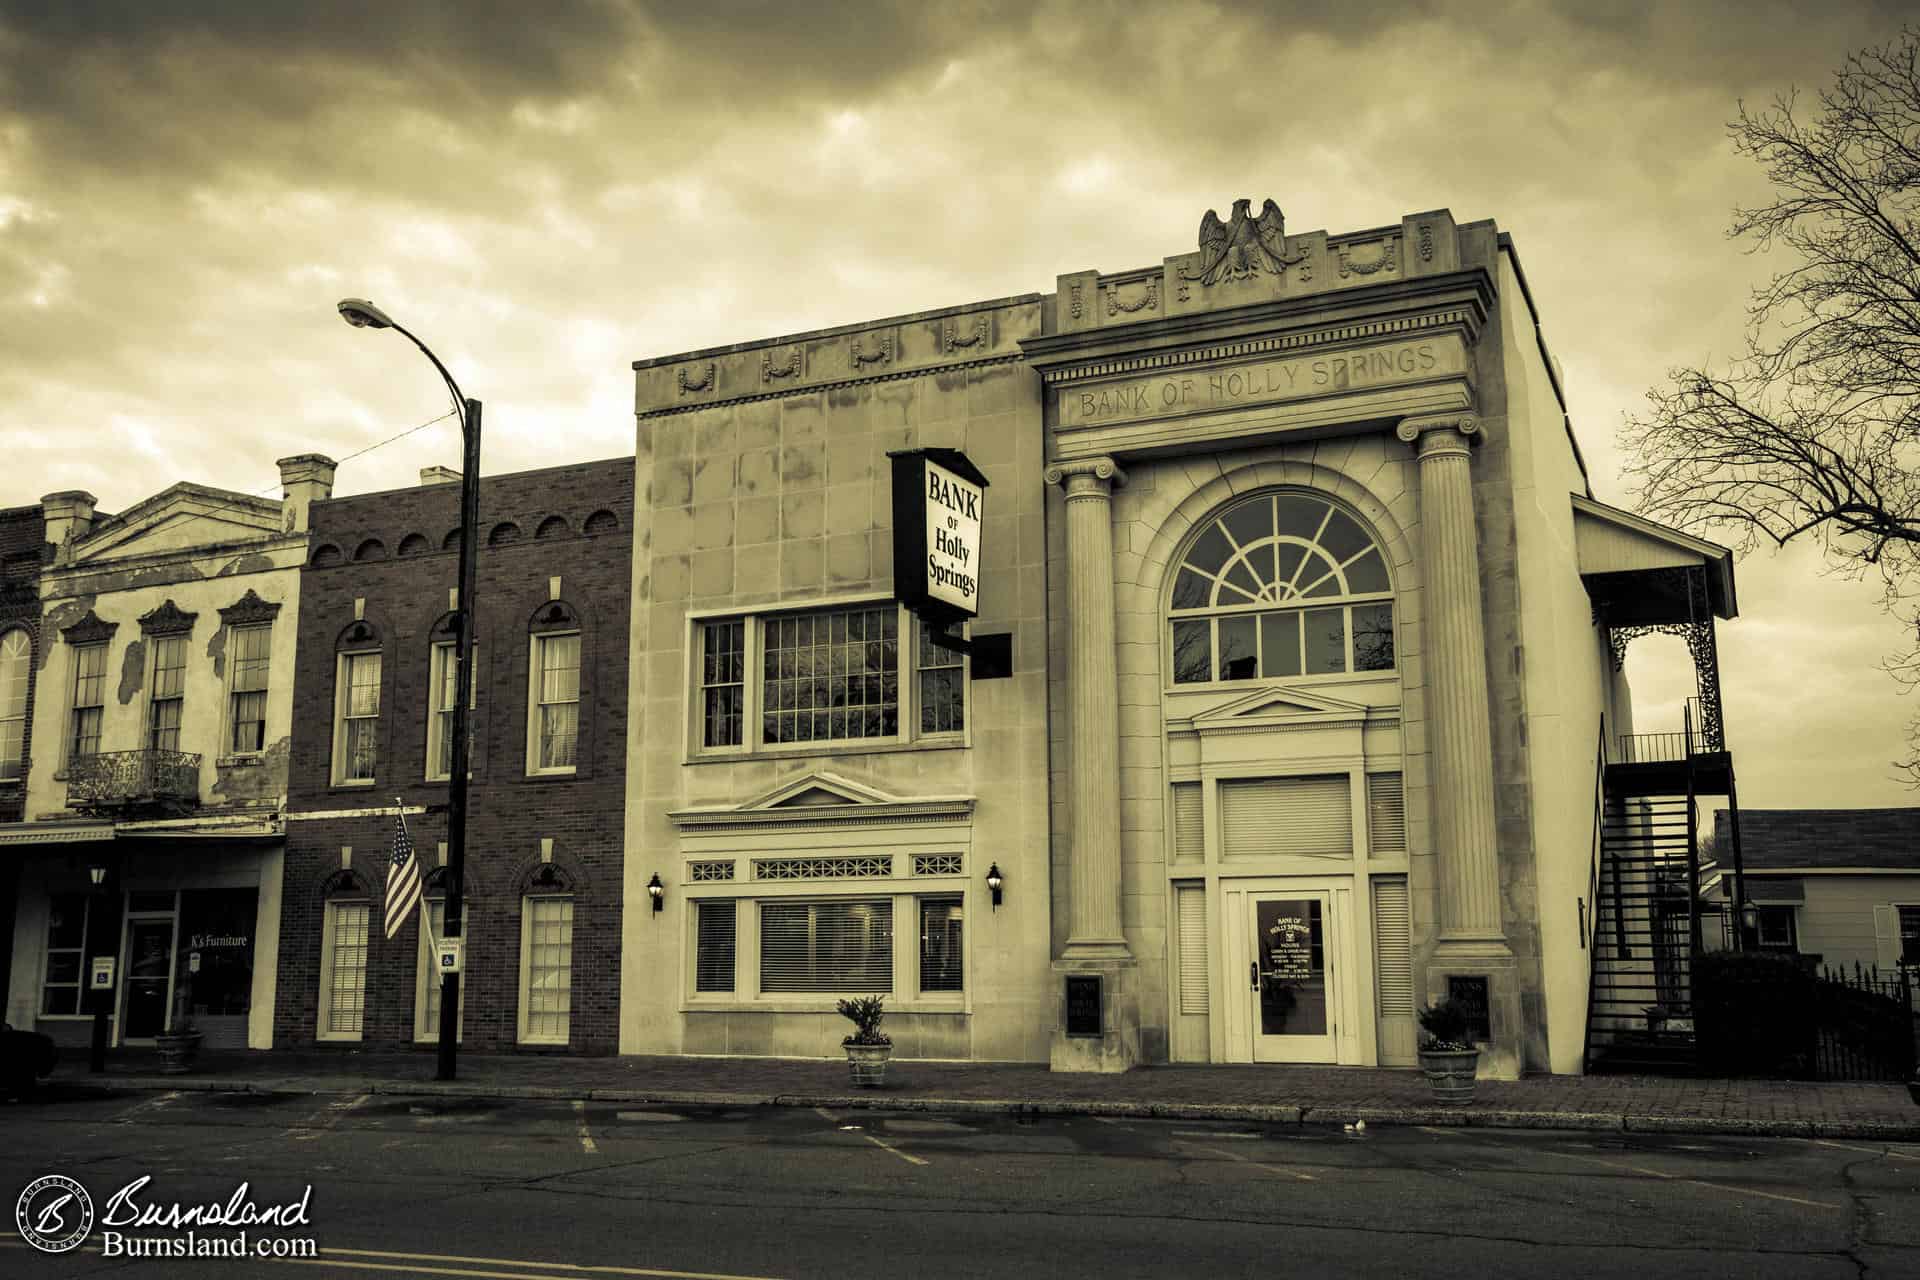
(938, 513)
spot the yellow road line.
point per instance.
(889, 1147)
(564, 1268)
(1674, 1177)
(1270, 1168)
(586, 1139)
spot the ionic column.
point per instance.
(1093, 692)
(1458, 709)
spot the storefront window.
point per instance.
(217, 926)
(826, 946)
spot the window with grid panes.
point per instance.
(250, 651)
(723, 667)
(941, 964)
(344, 969)
(428, 997)
(89, 699)
(358, 730)
(16, 661)
(169, 692)
(943, 687)
(1281, 585)
(830, 676)
(441, 697)
(833, 946)
(546, 996)
(557, 707)
(62, 985)
(1909, 934)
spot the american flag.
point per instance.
(403, 877)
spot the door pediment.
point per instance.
(822, 798)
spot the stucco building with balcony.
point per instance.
(152, 832)
(1307, 704)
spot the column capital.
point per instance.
(1086, 477)
(1441, 433)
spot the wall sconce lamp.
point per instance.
(1749, 916)
(656, 891)
(99, 875)
(994, 882)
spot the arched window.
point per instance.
(546, 957)
(553, 725)
(356, 704)
(346, 923)
(16, 661)
(1277, 586)
(426, 1003)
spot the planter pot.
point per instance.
(178, 1053)
(1450, 1074)
(867, 1063)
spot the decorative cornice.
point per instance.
(168, 619)
(950, 339)
(688, 385)
(91, 629)
(891, 375)
(898, 812)
(249, 609)
(769, 371)
(858, 359)
(1453, 317)
(1104, 472)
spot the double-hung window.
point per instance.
(62, 986)
(89, 700)
(357, 718)
(426, 1027)
(443, 693)
(1909, 919)
(546, 968)
(249, 655)
(820, 677)
(554, 726)
(169, 692)
(16, 663)
(343, 968)
(830, 946)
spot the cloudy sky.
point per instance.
(547, 192)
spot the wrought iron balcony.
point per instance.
(118, 782)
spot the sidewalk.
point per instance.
(1270, 1095)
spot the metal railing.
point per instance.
(114, 781)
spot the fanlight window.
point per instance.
(1281, 585)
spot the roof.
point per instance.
(1612, 541)
(1827, 839)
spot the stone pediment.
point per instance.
(178, 518)
(1281, 709)
(823, 798)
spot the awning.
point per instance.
(1622, 558)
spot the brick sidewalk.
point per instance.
(1270, 1094)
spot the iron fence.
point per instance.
(1865, 1028)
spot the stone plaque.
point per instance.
(1083, 1004)
(1300, 377)
(1471, 994)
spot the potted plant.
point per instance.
(179, 1045)
(868, 1048)
(1448, 1055)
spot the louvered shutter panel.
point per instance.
(1190, 909)
(827, 946)
(1386, 813)
(1392, 947)
(1189, 833)
(1296, 817)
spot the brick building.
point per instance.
(23, 540)
(546, 807)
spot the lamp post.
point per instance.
(362, 314)
(97, 1049)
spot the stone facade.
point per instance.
(381, 578)
(1394, 378)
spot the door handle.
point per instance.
(1253, 975)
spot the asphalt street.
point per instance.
(526, 1189)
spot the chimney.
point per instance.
(307, 479)
(69, 515)
(438, 475)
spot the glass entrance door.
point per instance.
(1290, 977)
(149, 972)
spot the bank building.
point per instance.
(1290, 700)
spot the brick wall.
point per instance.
(396, 552)
(23, 537)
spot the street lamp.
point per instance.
(362, 314)
(97, 1048)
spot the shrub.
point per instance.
(1753, 1014)
(865, 1013)
(1446, 1027)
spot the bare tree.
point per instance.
(1813, 433)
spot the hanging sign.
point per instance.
(938, 505)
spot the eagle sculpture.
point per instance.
(1237, 249)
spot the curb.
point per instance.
(1262, 1113)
